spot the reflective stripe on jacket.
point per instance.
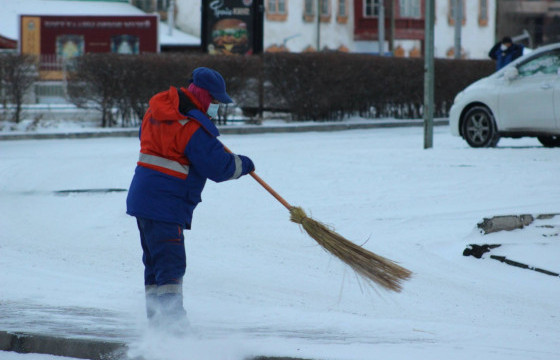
(162, 164)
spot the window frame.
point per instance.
(311, 11)
(144, 5)
(308, 16)
(451, 14)
(164, 5)
(408, 3)
(153, 6)
(324, 17)
(374, 8)
(342, 18)
(276, 14)
(483, 13)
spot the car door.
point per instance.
(526, 102)
(556, 100)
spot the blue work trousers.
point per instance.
(164, 255)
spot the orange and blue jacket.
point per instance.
(179, 151)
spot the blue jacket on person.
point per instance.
(504, 57)
(179, 152)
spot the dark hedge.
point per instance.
(316, 86)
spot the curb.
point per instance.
(231, 130)
(25, 343)
(77, 348)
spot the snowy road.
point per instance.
(257, 285)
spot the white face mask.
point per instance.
(213, 110)
(503, 47)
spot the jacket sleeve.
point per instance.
(492, 52)
(518, 51)
(211, 160)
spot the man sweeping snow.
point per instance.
(179, 151)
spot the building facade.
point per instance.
(478, 31)
(539, 18)
(352, 25)
(405, 27)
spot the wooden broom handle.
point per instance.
(271, 190)
(266, 186)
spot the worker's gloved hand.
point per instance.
(247, 165)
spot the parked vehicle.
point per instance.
(521, 99)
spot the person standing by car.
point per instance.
(179, 151)
(505, 52)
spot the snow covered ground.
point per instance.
(256, 285)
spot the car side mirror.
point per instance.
(511, 73)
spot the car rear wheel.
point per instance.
(479, 127)
(550, 141)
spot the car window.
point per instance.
(547, 63)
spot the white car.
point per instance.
(521, 99)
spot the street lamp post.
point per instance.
(381, 26)
(429, 75)
(458, 24)
(170, 17)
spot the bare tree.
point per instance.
(18, 73)
(94, 80)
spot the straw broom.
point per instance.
(368, 265)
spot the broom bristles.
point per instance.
(368, 265)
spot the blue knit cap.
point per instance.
(212, 81)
